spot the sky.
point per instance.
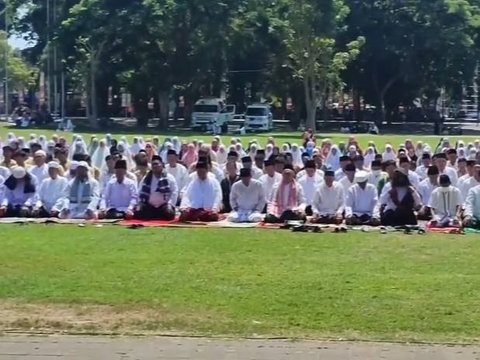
(18, 42)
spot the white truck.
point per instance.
(212, 115)
(258, 117)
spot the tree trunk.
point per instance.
(164, 110)
(310, 103)
(93, 119)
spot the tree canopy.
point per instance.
(387, 52)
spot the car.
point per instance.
(258, 117)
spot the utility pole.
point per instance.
(47, 75)
(6, 62)
(55, 64)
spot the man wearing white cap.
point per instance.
(51, 193)
(20, 194)
(82, 195)
(361, 205)
(40, 169)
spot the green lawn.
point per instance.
(241, 282)
(281, 137)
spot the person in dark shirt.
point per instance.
(226, 184)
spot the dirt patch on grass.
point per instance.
(103, 319)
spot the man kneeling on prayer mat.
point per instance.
(247, 199)
(288, 201)
(203, 198)
(158, 194)
(472, 209)
(20, 194)
(51, 193)
(329, 201)
(83, 195)
(120, 195)
(361, 204)
(445, 203)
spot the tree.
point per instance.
(311, 31)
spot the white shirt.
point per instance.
(52, 194)
(425, 189)
(120, 196)
(310, 185)
(422, 172)
(413, 178)
(374, 178)
(78, 208)
(17, 196)
(346, 184)
(339, 174)
(472, 203)
(249, 198)
(362, 201)
(444, 201)
(386, 199)
(5, 172)
(180, 173)
(203, 194)
(329, 200)
(466, 185)
(269, 183)
(40, 172)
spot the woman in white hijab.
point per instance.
(369, 157)
(124, 150)
(177, 145)
(163, 154)
(253, 151)
(136, 146)
(98, 158)
(222, 155)
(389, 153)
(78, 147)
(285, 148)
(268, 151)
(296, 156)
(239, 150)
(42, 140)
(352, 151)
(333, 158)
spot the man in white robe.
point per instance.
(247, 199)
(423, 168)
(309, 183)
(361, 204)
(202, 199)
(247, 163)
(404, 163)
(120, 196)
(472, 209)
(445, 202)
(469, 183)
(349, 179)
(20, 194)
(82, 195)
(178, 171)
(425, 189)
(51, 193)
(329, 201)
(40, 169)
(270, 179)
(340, 173)
(441, 161)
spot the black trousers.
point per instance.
(148, 212)
(286, 216)
(399, 217)
(114, 214)
(18, 211)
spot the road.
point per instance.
(170, 348)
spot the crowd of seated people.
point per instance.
(321, 181)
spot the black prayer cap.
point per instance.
(471, 163)
(440, 156)
(444, 180)
(269, 162)
(260, 152)
(329, 173)
(288, 167)
(433, 170)
(171, 152)
(452, 151)
(376, 163)
(426, 156)
(108, 157)
(246, 159)
(156, 158)
(350, 167)
(309, 164)
(121, 164)
(344, 158)
(201, 165)
(358, 158)
(245, 172)
(232, 153)
(306, 154)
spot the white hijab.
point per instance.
(389, 154)
(333, 158)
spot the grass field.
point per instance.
(281, 137)
(240, 283)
